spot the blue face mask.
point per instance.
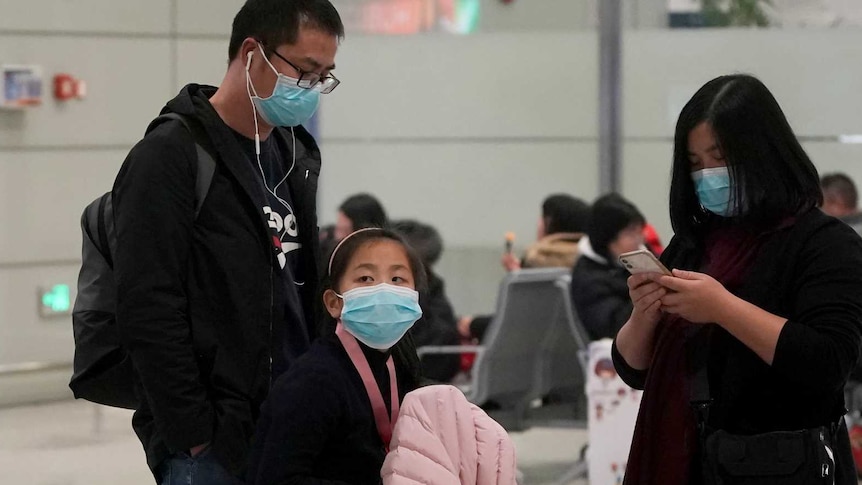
(289, 104)
(714, 191)
(379, 316)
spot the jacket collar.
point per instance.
(586, 249)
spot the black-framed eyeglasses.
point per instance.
(312, 80)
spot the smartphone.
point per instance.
(643, 261)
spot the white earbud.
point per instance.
(248, 62)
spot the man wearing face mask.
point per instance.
(214, 306)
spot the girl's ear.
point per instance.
(333, 304)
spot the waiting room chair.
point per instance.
(508, 374)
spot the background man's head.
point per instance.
(840, 198)
(616, 226)
(562, 213)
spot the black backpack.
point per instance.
(103, 371)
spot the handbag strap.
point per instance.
(698, 358)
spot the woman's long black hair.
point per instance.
(771, 173)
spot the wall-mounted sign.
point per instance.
(55, 300)
(408, 17)
(20, 86)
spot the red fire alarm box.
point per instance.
(67, 87)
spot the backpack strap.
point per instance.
(102, 230)
(205, 162)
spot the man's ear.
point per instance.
(249, 46)
(333, 304)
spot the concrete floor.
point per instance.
(77, 443)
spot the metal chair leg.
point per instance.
(579, 470)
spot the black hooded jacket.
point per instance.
(201, 305)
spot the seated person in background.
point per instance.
(563, 222)
(564, 219)
(438, 325)
(327, 419)
(358, 212)
(841, 200)
(600, 291)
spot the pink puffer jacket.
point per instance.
(442, 439)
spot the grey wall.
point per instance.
(467, 133)
(54, 159)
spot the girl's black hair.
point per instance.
(771, 173)
(345, 251)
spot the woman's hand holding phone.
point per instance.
(635, 340)
(646, 296)
(697, 297)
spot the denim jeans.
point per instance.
(203, 469)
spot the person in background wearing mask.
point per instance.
(329, 419)
(600, 292)
(760, 324)
(212, 308)
(841, 200)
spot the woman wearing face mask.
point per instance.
(759, 326)
(329, 419)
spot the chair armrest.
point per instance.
(449, 349)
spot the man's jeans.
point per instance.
(203, 469)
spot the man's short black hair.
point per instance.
(610, 215)
(841, 187)
(277, 22)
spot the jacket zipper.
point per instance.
(271, 306)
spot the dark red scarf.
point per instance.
(665, 442)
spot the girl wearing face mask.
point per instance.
(759, 326)
(329, 419)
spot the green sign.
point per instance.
(57, 299)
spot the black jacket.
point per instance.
(811, 274)
(438, 326)
(200, 301)
(317, 426)
(600, 294)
